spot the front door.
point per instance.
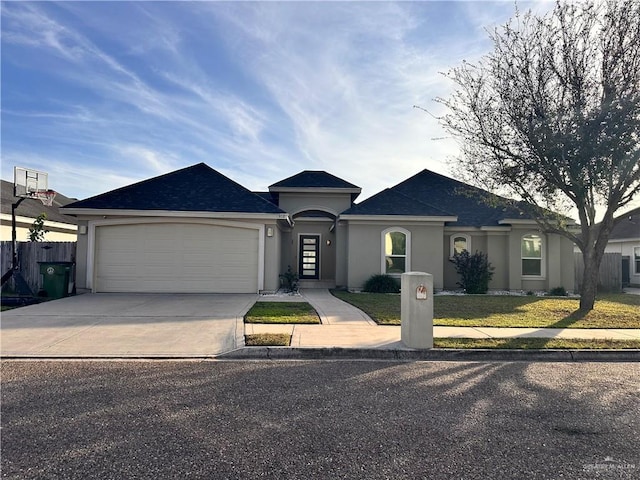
(309, 265)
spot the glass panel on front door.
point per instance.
(309, 266)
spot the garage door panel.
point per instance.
(175, 257)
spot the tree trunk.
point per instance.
(589, 281)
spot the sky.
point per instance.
(104, 94)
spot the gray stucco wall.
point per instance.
(296, 202)
(81, 257)
(272, 253)
(504, 252)
(365, 249)
(327, 252)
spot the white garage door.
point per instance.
(176, 258)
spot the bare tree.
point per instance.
(552, 116)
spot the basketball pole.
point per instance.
(14, 236)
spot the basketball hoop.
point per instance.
(45, 196)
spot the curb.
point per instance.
(466, 355)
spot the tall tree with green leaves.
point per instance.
(552, 116)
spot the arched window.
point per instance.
(532, 249)
(459, 242)
(395, 251)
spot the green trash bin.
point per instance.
(56, 277)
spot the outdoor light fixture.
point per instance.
(269, 232)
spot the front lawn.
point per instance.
(611, 310)
(282, 312)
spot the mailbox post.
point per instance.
(416, 310)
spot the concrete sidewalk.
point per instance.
(345, 326)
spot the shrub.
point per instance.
(475, 271)
(289, 280)
(558, 292)
(381, 284)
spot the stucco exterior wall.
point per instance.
(493, 244)
(497, 251)
(272, 252)
(365, 250)
(322, 228)
(296, 202)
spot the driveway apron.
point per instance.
(126, 325)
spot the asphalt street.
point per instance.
(319, 419)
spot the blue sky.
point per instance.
(104, 94)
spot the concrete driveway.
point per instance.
(126, 325)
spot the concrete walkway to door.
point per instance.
(126, 325)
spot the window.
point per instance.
(532, 265)
(636, 259)
(459, 243)
(395, 258)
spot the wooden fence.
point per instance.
(610, 274)
(30, 253)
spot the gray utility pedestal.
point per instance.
(417, 310)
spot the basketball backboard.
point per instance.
(27, 183)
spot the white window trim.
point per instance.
(452, 246)
(407, 257)
(543, 256)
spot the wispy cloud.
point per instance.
(258, 90)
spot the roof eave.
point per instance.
(396, 218)
(315, 190)
(174, 213)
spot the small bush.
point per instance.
(381, 284)
(289, 280)
(475, 271)
(558, 292)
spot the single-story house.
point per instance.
(62, 228)
(625, 240)
(195, 230)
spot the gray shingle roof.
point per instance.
(314, 179)
(198, 188)
(391, 202)
(31, 208)
(629, 226)
(426, 189)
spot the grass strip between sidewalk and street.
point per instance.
(282, 312)
(610, 311)
(267, 340)
(284, 340)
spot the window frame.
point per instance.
(452, 242)
(636, 260)
(407, 255)
(542, 257)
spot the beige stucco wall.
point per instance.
(364, 253)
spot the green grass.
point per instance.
(282, 312)
(611, 310)
(267, 340)
(534, 343)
